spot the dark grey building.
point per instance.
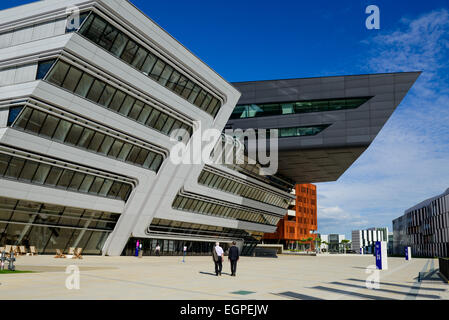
(325, 123)
(424, 227)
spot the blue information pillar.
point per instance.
(381, 255)
(408, 253)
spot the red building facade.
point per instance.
(297, 228)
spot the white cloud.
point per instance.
(409, 160)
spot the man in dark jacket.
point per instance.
(233, 258)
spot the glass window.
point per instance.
(96, 90)
(87, 182)
(134, 153)
(136, 109)
(213, 105)
(96, 29)
(165, 75)
(76, 181)
(143, 116)
(129, 52)
(143, 155)
(139, 59)
(84, 85)
(58, 73)
(125, 151)
(157, 70)
(36, 121)
(28, 170)
(173, 80)
(74, 134)
(105, 188)
(43, 68)
(167, 126)
(151, 122)
(206, 102)
(86, 137)
(96, 186)
(117, 101)
(119, 44)
(72, 79)
(149, 160)
(116, 147)
(96, 141)
(53, 176)
(160, 122)
(49, 126)
(107, 38)
(124, 192)
(65, 179)
(199, 100)
(195, 92)
(127, 105)
(115, 189)
(106, 96)
(156, 163)
(149, 63)
(106, 145)
(41, 173)
(181, 85)
(14, 168)
(187, 90)
(24, 117)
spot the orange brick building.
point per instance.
(300, 221)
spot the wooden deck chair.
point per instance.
(2, 249)
(33, 251)
(59, 254)
(77, 254)
(23, 250)
(71, 251)
(15, 249)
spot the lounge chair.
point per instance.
(59, 254)
(23, 250)
(2, 249)
(33, 251)
(77, 254)
(15, 249)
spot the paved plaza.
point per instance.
(335, 277)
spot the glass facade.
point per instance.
(163, 227)
(108, 37)
(223, 211)
(289, 108)
(99, 92)
(230, 185)
(49, 227)
(302, 131)
(45, 174)
(63, 131)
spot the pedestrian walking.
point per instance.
(158, 250)
(233, 257)
(218, 254)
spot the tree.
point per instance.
(309, 240)
(318, 244)
(345, 244)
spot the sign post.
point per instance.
(408, 253)
(381, 255)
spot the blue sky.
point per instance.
(259, 40)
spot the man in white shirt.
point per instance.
(218, 254)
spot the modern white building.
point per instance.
(95, 96)
(366, 239)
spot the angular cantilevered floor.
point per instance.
(325, 123)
